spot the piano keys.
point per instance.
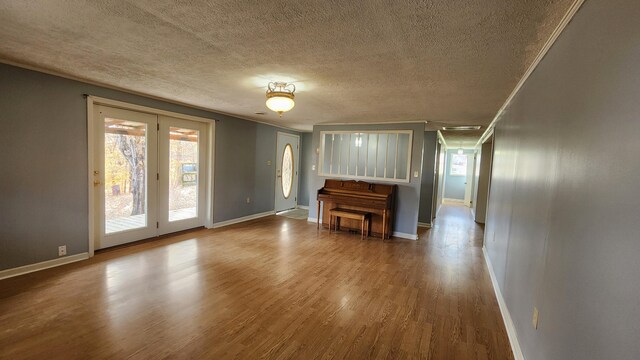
(378, 199)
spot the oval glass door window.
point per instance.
(287, 171)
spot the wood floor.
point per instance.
(272, 288)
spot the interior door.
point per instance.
(124, 181)
(182, 174)
(287, 166)
(468, 184)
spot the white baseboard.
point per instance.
(303, 207)
(313, 220)
(421, 224)
(5, 274)
(506, 317)
(243, 219)
(453, 200)
(405, 235)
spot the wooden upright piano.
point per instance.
(378, 199)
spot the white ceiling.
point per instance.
(441, 61)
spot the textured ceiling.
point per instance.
(442, 61)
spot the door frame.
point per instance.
(469, 183)
(92, 142)
(275, 173)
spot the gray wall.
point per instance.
(563, 222)
(428, 173)
(408, 193)
(243, 149)
(306, 161)
(43, 184)
(454, 186)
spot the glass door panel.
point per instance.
(183, 173)
(125, 155)
(124, 179)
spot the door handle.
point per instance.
(96, 183)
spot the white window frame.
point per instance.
(466, 164)
(382, 179)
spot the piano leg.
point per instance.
(318, 217)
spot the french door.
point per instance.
(150, 175)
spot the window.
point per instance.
(287, 171)
(458, 165)
(375, 155)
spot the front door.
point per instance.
(287, 166)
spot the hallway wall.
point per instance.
(428, 177)
(306, 163)
(564, 210)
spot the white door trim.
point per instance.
(91, 143)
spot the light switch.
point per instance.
(415, 174)
(534, 321)
(313, 168)
(268, 162)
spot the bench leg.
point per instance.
(367, 226)
(362, 229)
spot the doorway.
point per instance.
(150, 175)
(483, 184)
(287, 165)
(458, 177)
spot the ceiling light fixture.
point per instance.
(280, 97)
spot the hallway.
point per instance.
(273, 288)
(469, 318)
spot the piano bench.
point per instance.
(362, 216)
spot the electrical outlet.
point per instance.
(268, 162)
(248, 200)
(313, 168)
(534, 321)
(415, 174)
(62, 250)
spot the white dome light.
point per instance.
(280, 97)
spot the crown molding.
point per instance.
(536, 61)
